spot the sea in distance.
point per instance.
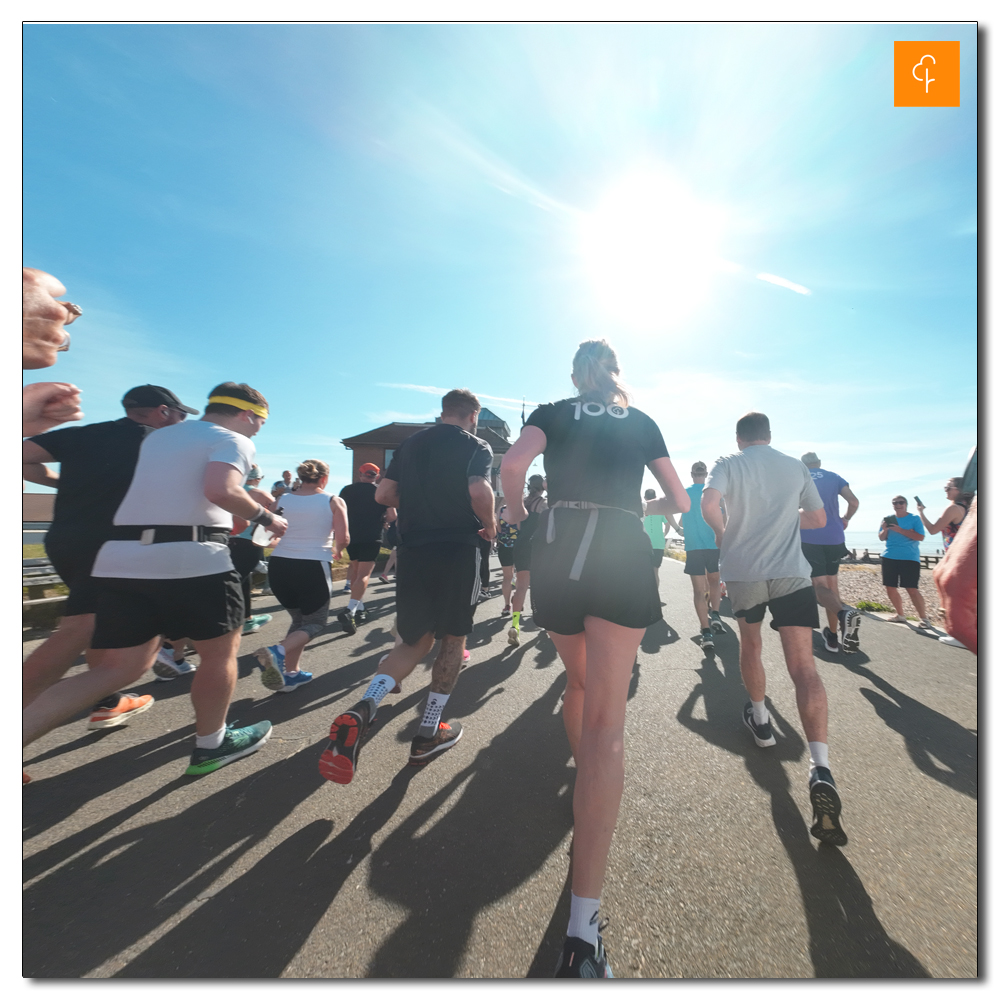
(861, 540)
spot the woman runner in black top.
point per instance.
(594, 590)
(534, 504)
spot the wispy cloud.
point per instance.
(388, 416)
(775, 279)
(436, 390)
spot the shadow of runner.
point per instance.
(846, 938)
(292, 887)
(513, 809)
(658, 635)
(114, 893)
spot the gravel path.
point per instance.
(864, 583)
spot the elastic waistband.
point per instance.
(155, 534)
(587, 505)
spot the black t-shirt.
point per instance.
(96, 467)
(597, 453)
(364, 513)
(433, 469)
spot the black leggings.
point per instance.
(484, 565)
(245, 556)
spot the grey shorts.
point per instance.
(792, 600)
(312, 624)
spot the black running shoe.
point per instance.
(826, 808)
(830, 642)
(707, 641)
(715, 620)
(762, 734)
(850, 625)
(339, 760)
(423, 748)
(360, 616)
(581, 960)
(347, 620)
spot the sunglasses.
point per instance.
(899, 503)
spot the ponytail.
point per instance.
(595, 368)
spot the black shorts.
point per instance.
(522, 555)
(824, 559)
(657, 558)
(903, 573)
(505, 553)
(437, 587)
(303, 584)
(616, 580)
(131, 612)
(797, 608)
(364, 551)
(698, 562)
(73, 561)
(245, 555)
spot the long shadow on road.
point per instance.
(846, 938)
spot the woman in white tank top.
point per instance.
(299, 572)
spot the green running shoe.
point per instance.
(235, 744)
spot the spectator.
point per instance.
(954, 514)
(901, 560)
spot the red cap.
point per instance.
(369, 467)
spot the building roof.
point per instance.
(394, 434)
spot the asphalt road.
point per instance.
(459, 869)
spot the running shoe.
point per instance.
(897, 618)
(466, 656)
(950, 640)
(167, 668)
(513, 636)
(347, 620)
(707, 641)
(715, 620)
(826, 808)
(506, 612)
(254, 622)
(272, 662)
(850, 625)
(924, 623)
(762, 734)
(484, 594)
(235, 744)
(294, 681)
(346, 588)
(582, 960)
(423, 748)
(339, 760)
(383, 577)
(830, 642)
(128, 705)
(360, 616)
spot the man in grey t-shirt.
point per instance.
(769, 498)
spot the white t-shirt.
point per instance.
(169, 488)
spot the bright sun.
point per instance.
(650, 250)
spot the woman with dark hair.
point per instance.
(594, 591)
(534, 504)
(954, 514)
(299, 572)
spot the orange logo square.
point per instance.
(925, 75)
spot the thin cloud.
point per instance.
(784, 283)
(436, 390)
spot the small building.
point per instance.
(379, 444)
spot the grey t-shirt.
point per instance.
(764, 490)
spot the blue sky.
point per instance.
(332, 212)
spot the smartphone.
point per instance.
(891, 519)
(918, 501)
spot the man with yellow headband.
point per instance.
(167, 571)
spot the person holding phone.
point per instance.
(902, 534)
(954, 514)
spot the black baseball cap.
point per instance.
(153, 395)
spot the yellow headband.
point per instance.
(241, 404)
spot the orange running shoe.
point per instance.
(339, 760)
(128, 705)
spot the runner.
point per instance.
(595, 593)
(391, 541)
(506, 539)
(167, 571)
(96, 467)
(534, 504)
(655, 525)
(701, 560)
(300, 572)
(439, 481)
(769, 497)
(366, 517)
(246, 555)
(901, 560)
(824, 548)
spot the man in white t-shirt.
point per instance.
(167, 571)
(769, 498)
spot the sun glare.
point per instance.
(650, 249)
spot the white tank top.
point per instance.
(310, 527)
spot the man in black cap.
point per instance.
(96, 466)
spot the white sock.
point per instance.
(759, 712)
(819, 754)
(380, 686)
(360, 607)
(432, 713)
(583, 918)
(211, 742)
(352, 605)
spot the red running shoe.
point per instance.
(339, 760)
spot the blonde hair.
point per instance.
(595, 368)
(312, 470)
